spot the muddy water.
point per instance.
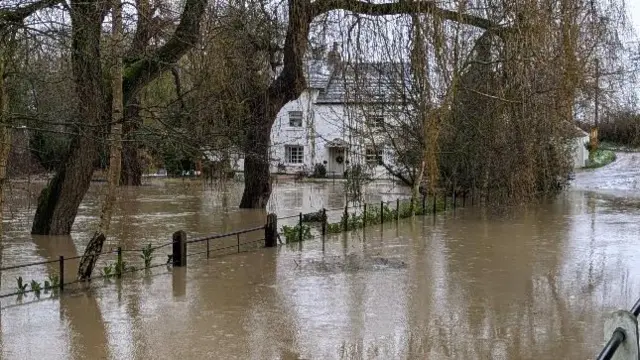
(526, 283)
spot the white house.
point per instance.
(580, 153)
(337, 120)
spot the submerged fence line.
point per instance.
(362, 215)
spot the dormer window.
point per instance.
(374, 155)
(375, 122)
(295, 119)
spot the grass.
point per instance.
(601, 157)
(607, 145)
(377, 214)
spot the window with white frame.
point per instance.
(375, 121)
(374, 155)
(295, 119)
(294, 154)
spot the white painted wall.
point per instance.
(580, 153)
(322, 123)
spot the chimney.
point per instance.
(333, 57)
(318, 52)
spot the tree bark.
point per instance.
(5, 135)
(257, 175)
(94, 248)
(286, 87)
(131, 174)
(58, 203)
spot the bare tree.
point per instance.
(94, 247)
(58, 203)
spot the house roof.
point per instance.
(363, 82)
(337, 143)
(318, 73)
(572, 130)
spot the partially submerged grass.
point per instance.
(601, 157)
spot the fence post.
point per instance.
(271, 231)
(179, 248)
(397, 209)
(435, 202)
(473, 194)
(464, 198)
(626, 321)
(444, 197)
(453, 196)
(119, 263)
(324, 222)
(61, 272)
(300, 227)
(424, 204)
(381, 212)
(364, 216)
(346, 217)
(207, 248)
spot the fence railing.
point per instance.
(353, 217)
(621, 328)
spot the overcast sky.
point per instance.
(634, 11)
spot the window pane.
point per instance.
(295, 118)
(294, 154)
(374, 156)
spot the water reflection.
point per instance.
(526, 282)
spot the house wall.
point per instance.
(580, 153)
(322, 123)
(282, 134)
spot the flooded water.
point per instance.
(521, 283)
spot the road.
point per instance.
(621, 178)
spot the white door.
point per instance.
(334, 167)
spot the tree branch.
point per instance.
(320, 7)
(141, 72)
(17, 15)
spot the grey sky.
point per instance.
(634, 11)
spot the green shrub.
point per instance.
(292, 233)
(319, 171)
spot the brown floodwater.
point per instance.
(522, 283)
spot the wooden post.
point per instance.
(271, 231)
(381, 212)
(119, 263)
(435, 202)
(61, 272)
(397, 209)
(346, 218)
(364, 216)
(444, 197)
(207, 248)
(179, 248)
(453, 196)
(238, 240)
(464, 198)
(300, 227)
(424, 204)
(626, 321)
(324, 222)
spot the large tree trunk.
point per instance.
(94, 248)
(58, 203)
(131, 166)
(257, 177)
